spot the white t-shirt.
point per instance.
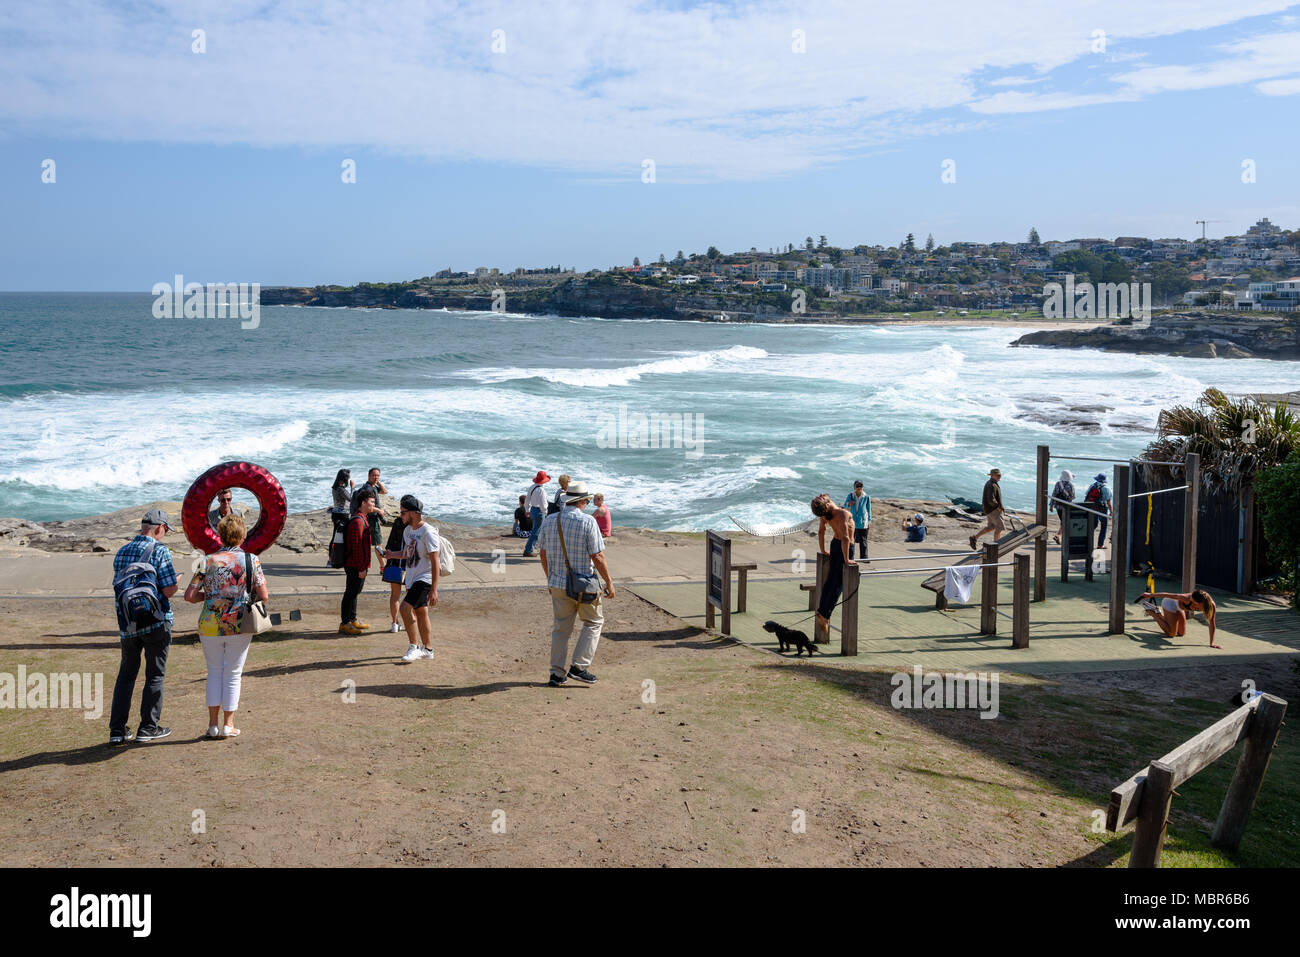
(536, 498)
(419, 544)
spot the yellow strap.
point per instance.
(1149, 509)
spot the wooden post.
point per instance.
(1065, 543)
(1087, 561)
(1246, 551)
(1191, 507)
(989, 591)
(1149, 836)
(709, 618)
(1020, 601)
(1246, 781)
(849, 612)
(1119, 550)
(1041, 513)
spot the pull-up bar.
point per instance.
(937, 568)
(911, 558)
(1089, 458)
(1160, 491)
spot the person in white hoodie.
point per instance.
(420, 550)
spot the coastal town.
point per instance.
(1257, 271)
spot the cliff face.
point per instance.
(1193, 334)
(573, 297)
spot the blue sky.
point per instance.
(225, 165)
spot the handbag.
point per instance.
(393, 572)
(583, 589)
(255, 620)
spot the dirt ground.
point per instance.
(469, 759)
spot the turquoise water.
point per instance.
(105, 407)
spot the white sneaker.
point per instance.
(394, 628)
(412, 652)
(425, 652)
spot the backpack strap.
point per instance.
(248, 575)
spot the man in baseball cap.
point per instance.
(152, 641)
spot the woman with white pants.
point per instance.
(225, 588)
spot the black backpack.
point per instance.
(339, 539)
(136, 592)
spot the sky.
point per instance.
(214, 139)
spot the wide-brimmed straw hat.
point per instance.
(576, 491)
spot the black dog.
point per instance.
(788, 636)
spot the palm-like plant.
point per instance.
(1235, 438)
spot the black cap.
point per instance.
(412, 504)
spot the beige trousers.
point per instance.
(566, 610)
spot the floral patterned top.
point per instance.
(227, 594)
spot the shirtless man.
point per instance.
(1172, 611)
(840, 521)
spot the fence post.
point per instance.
(1191, 506)
(1249, 776)
(1041, 513)
(1065, 542)
(1020, 602)
(821, 635)
(1149, 837)
(849, 612)
(1119, 550)
(989, 591)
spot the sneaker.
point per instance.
(347, 629)
(529, 554)
(412, 652)
(557, 681)
(426, 652)
(395, 628)
(582, 674)
(359, 625)
(115, 739)
(972, 543)
(154, 734)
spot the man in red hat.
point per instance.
(535, 502)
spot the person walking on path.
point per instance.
(992, 505)
(358, 545)
(859, 503)
(230, 582)
(840, 521)
(151, 641)
(535, 501)
(571, 541)
(1098, 497)
(1063, 489)
(420, 544)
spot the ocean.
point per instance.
(106, 407)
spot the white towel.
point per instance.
(957, 582)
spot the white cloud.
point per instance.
(1287, 87)
(709, 92)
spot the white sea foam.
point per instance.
(598, 378)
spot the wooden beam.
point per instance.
(1249, 776)
(849, 612)
(1191, 508)
(1020, 602)
(989, 591)
(1191, 756)
(1119, 549)
(1149, 838)
(1041, 517)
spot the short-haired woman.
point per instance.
(226, 589)
(1174, 608)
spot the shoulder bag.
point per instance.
(581, 588)
(255, 620)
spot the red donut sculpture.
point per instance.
(245, 475)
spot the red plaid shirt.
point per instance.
(357, 540)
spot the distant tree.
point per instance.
(808, 243)
(909, 244)
(661, 258)
(1033, 237)
(1168, 280)
(679, 255)
(836, 255)
(821, 242)
(929, 243)
(636, 261)
(713, 253)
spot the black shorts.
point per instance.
(417, 595)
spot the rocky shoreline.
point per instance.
(1200, 335)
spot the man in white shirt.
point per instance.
(535, 502)
(420, 550)
(584, 546)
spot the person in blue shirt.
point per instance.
(915, 528)
(859, 504)
(152, 642)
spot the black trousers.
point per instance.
(860, 537)
(153, 646)
(355, 583)
(834, 583)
